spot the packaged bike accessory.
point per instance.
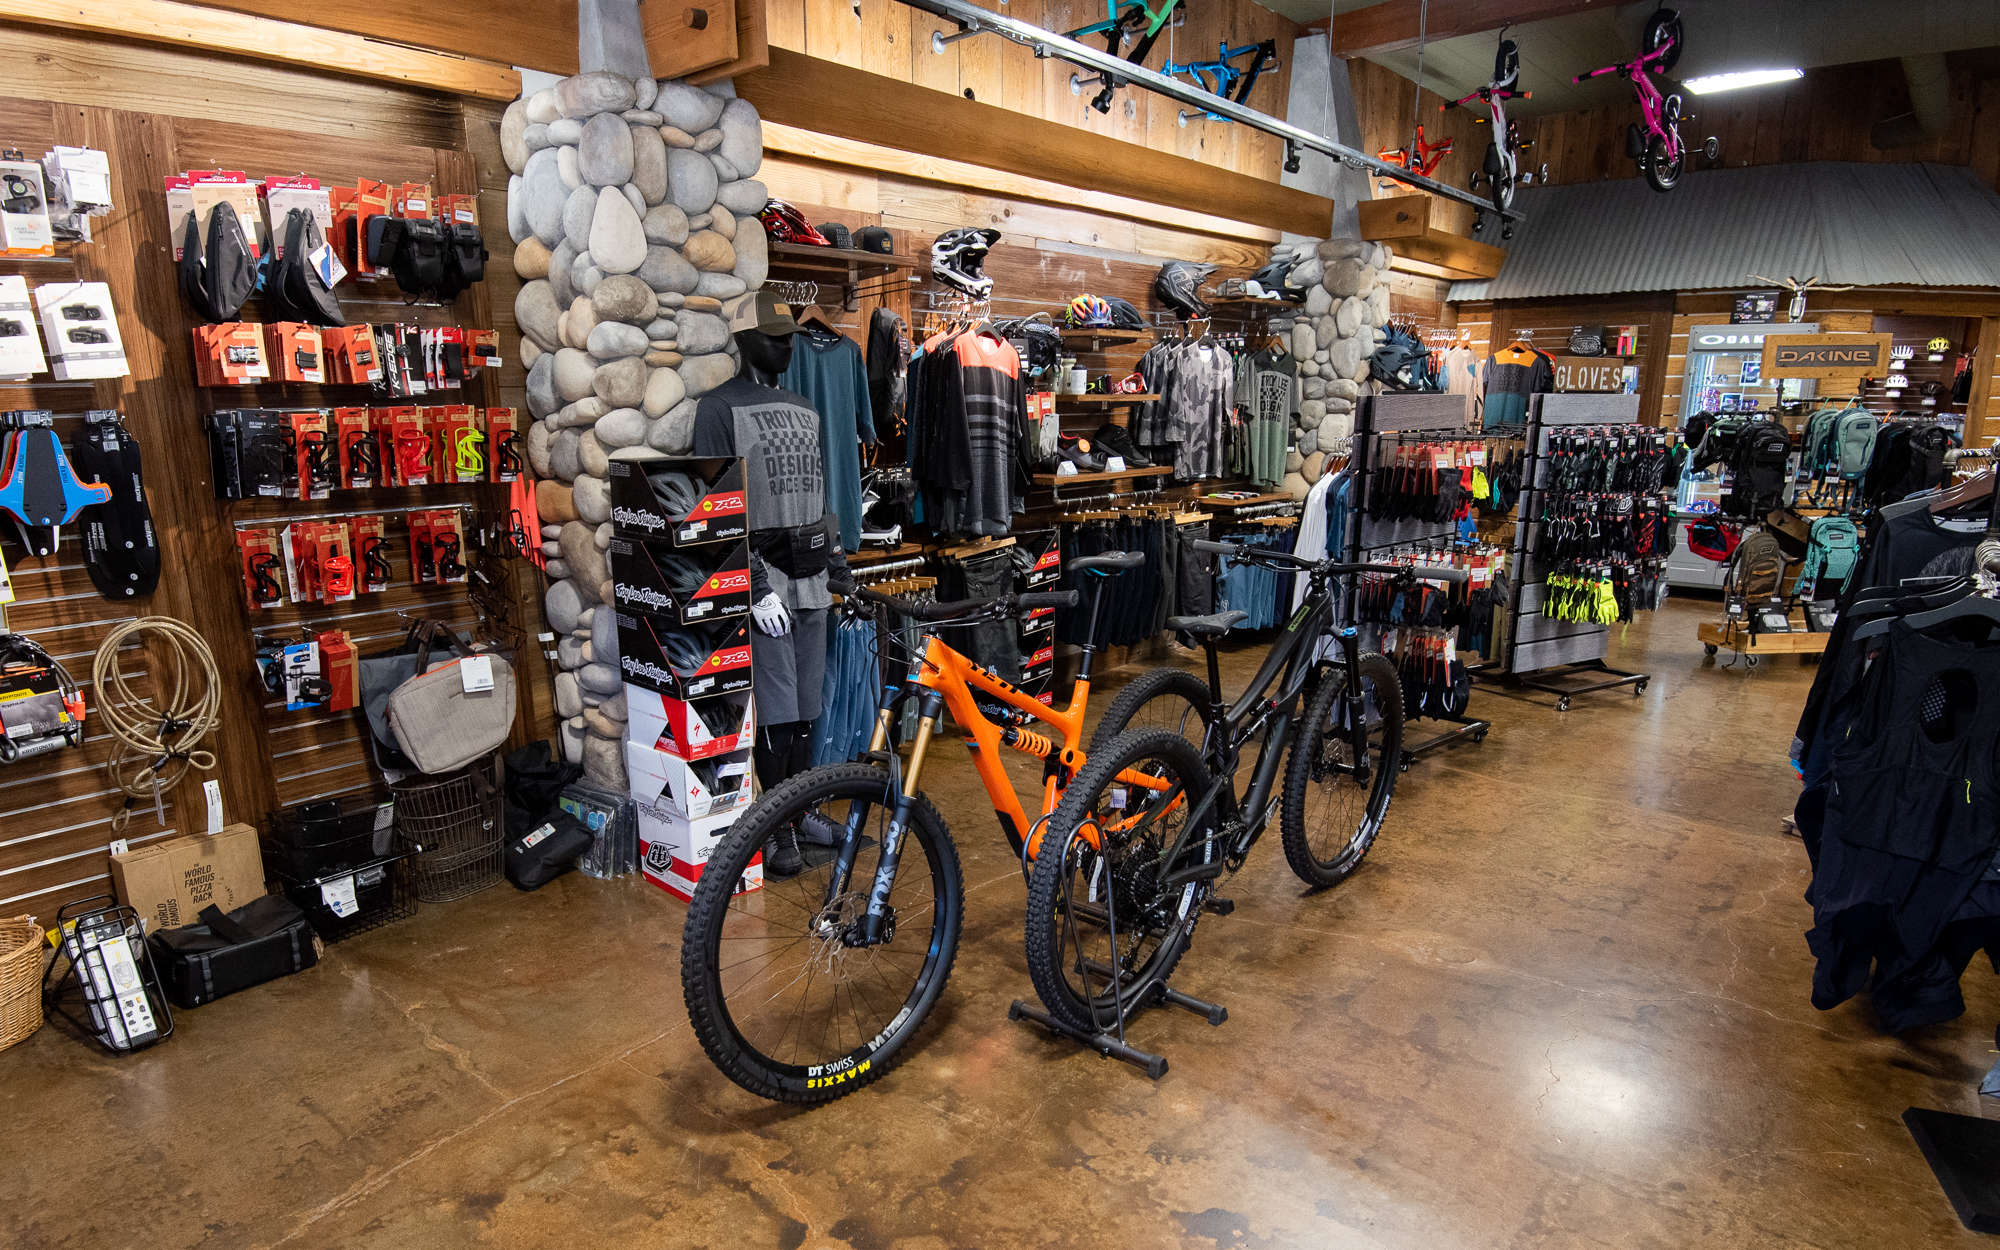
(367, 539)
(230, 354)
(20, 345)
(694, 730)
(524, 521)
(111, 969)
(504, 446)
(197, 193)
(349, 353)
(448, 552)
(24, 208)
(291, 672)
(37, 485)
(301, 271)
(357, 453)
(406, 446)
(263, 567)
(41, 706)
(333, 560)
(294, 351)
(120, 550)
(82, 330)
(460, 442)
(313, 453)
(340, 670)
(482, 350)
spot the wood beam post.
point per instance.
(1398, 23)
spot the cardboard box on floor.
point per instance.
(169, 882)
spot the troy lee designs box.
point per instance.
(682, 502)
(682, 586)
(683, 661)
(673, 850)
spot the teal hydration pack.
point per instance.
(1833, 545)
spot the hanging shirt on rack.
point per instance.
(826, 368)
(888, 368)
(1513, 374)
(968, 415)
(1461, 375)
(1267, 394)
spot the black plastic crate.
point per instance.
(383, 892)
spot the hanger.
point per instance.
(813, 317)
(1977, 487)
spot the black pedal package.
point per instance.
(260, 941)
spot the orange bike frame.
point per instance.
(955, 677)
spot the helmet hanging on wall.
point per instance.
(1179, 288)
(958, 258)
(1088, 312)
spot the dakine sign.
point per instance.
(1825, 355)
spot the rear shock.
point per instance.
(1027, 741)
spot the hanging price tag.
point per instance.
(476, 672)
(339, 896)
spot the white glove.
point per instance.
(772, 619)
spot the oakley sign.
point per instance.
(1736, 338)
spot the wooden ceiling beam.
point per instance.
(840, 100)
(1401, 23)
(534, 34)
(269, 39)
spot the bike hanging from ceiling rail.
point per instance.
(972, 20)
(1223, 76)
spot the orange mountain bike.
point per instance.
(811, 987)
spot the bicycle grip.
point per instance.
(1211, 547)
(1036, 601)
(1438, 574)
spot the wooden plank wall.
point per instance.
(890, 38)
(264, 121)
(1826, 116)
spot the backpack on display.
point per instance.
(1833, 545)
(1756, 576)
(1816, 442)
(1760, 464)
(1853, 442)
(1399, 362)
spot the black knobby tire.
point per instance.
(706, 953)
(1172, 699)
(1350, 816)
(1051, 898)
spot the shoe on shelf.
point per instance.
(1116, 440)
(1080, 452)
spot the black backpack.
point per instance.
(1759, 465)
(1399, 363)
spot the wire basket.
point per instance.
(442, 876)
(452, 812)
(383, 893)
(20, 979)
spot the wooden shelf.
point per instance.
(1251, 301)
(1121, 475)
(1105, 401)
(1099, 339)
(852, 261)
(876, 555)
(1230, 505)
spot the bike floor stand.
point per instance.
(1110, 1045)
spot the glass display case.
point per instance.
(1724, 370)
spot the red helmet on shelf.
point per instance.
(787, 224)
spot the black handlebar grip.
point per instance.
(1038, 600)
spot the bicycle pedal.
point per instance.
(1219, 906)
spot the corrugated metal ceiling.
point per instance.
(1840, 221)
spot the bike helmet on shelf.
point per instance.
(958, 258)
(1179, 288)
(1088, 312)
(1124, 315)
(787, 224)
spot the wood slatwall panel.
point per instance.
(890, 38)
(156, 111)
(1826, 116)
(1550, 322)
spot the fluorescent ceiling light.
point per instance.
(1709, 84)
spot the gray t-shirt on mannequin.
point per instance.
(776, 432)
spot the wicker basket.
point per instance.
(20, 979)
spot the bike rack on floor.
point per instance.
(1466, 727)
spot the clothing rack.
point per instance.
(1397, 416)
(1537, 643)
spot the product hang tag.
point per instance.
(476, 672)
(339, 896)
(327, 262)
(212, 790)
(1114, 464)
(6, 583)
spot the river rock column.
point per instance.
(1346, 306)
(633, 209)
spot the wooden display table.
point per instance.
(1735, 636)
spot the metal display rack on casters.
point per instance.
(1418, 415)
(1556, 650)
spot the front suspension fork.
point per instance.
(874, 923)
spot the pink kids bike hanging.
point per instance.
(1655, 140)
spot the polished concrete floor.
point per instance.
(1563, 1004)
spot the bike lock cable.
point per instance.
(159, 738)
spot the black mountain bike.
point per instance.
(1151, 822)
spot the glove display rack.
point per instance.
(1562, 658)
(680, 579)
(1381, 423)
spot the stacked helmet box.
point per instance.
(958, 259)
(1179, 287)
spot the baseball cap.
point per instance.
(762, 310)
(874, 239)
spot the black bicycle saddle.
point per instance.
(1108, 562)
(1214, 625)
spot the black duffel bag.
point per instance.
(262, 940)
(547, 851)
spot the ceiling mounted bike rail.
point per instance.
(972, 20)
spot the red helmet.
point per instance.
(788, 225)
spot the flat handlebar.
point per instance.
(1005, 605)
(1266, 556)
